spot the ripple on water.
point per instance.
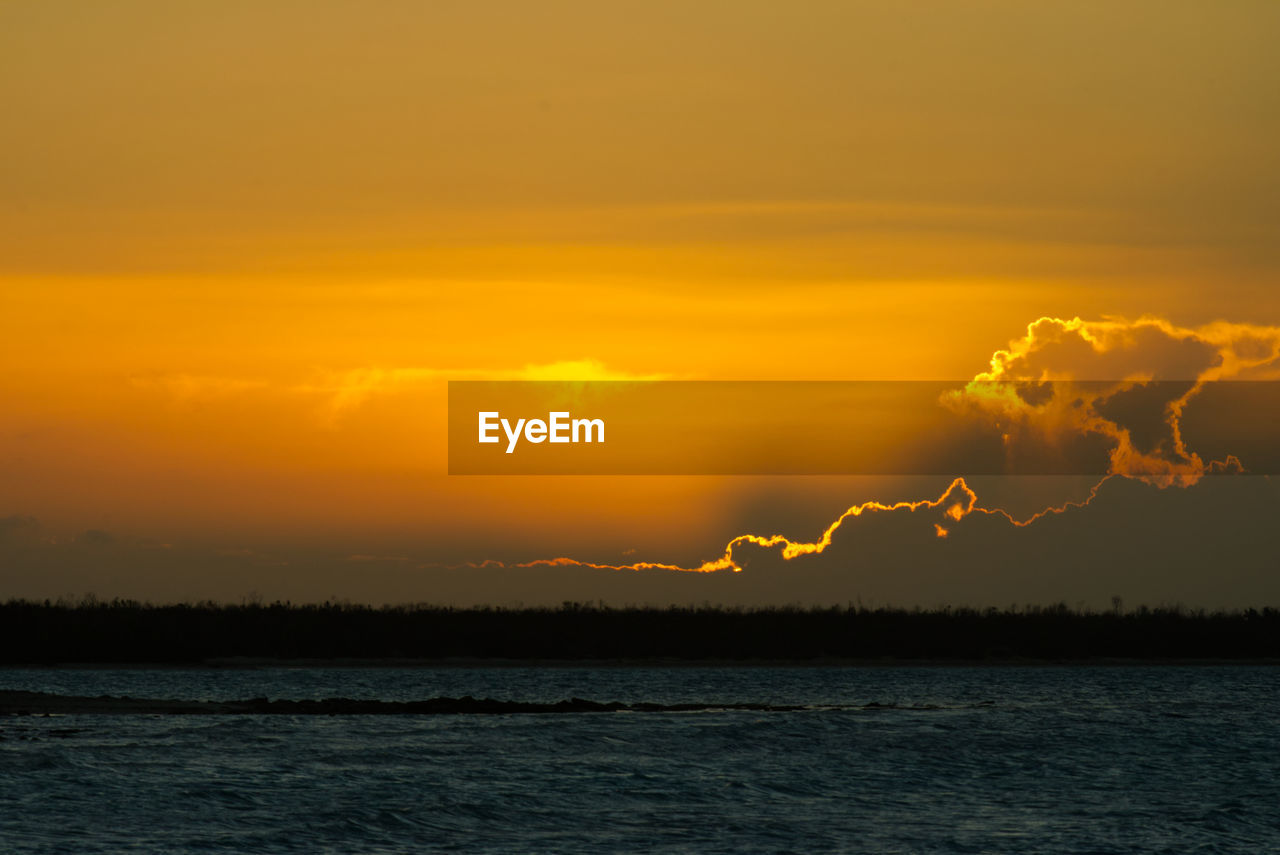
(1065, 759)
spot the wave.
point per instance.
(43, 703)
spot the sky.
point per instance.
(245, 245)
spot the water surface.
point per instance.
(1003, 759)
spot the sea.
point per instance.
(1094, 759)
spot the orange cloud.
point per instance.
(1098, 368)
(1089, 364)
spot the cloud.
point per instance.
(15, 526)
(95, 537)
(186, 388)
(1127, 382)
(338, 392)
(343, 391)
(1109, 350)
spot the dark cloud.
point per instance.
(95, 537)
(16, 526)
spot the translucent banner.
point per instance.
(1164, 428)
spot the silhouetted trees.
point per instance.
(92, 631)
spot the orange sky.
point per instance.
(244, 245)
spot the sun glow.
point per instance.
(1039, 356)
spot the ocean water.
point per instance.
(954, 760)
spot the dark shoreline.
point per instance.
(336, 634)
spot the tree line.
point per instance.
(126, 631)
